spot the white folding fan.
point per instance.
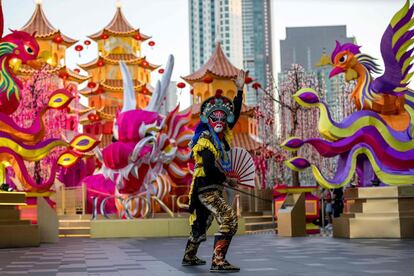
(242, 167)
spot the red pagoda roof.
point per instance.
(119, 26)
(218, 65)
(44, 29)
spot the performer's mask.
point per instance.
(217, 120)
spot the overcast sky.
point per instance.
(167, 22)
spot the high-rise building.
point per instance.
(311, 48)
(257, 44)
(243, 29)
(305, 45)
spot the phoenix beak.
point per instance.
(336, 71)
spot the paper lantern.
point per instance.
(77, 70)
(207, 79)
(138, 37)
(87, 42)
(104, 36)
(92, 84)
(161, 71)
(151, 43)
(256, 85)
(192, 91)
(248, 80)
(58, 39)
(79, 48)
(181, 85)
(63, 75)
(100, 63)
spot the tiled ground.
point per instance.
(259, 255)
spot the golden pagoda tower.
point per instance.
(53, 45)
(218, 73)
(118, 41)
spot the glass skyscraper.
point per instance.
(244, 28)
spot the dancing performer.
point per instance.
(211, 144)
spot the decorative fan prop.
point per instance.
(242, 167)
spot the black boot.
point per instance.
(190, 257)
(219, 262)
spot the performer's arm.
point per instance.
(213, 174)
(237, 103)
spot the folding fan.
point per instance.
(242, 167)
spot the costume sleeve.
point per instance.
(237, 103)
(213, 174)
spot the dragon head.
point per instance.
(344, 58)
(26, 47)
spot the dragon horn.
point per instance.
(130, 101)
(162, 86)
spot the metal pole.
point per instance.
(273, 214)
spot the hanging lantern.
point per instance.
(145, 90)
(145, 63)
(192, 91)
(248, 80)
(100, 63)
(58, 39)
(104, 36)
(208, 79)
(87, 43)
(151, 43)
(63, 75)
(91, 85)
(79, 49)
(161, 71)
(99, 91)
(181, 85)
(256, 85)
(138, 37)
(76, 70)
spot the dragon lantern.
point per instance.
(18, 144)
(150, 154)
(376, 141)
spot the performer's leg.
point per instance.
(197, 235)
(227, 220)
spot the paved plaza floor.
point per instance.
(258, 255)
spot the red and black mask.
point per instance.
(218, 121)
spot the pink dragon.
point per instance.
(150, 155)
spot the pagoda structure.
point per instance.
(218, 73)
(53, 45)
(118, 41)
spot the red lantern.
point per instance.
(78, 48)
(87, 42)
(181, 85)
(92, 84)
(145, 63)
(77, 70)
(151, 43)
(207, 79)
(99, 91)
(256, 85)
(144, 90)
(104, 36)
(138, 37)
(100, 63)
(58, 39)
(192, 91)
(248, 80)
(63, 75)
(161, 71)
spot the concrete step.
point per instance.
(74, 223)
(260, 226)
(13, 222)
(26, 235)
(262, 218)
(74, 231)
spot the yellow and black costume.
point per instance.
(206, 195)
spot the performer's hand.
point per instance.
(239, 81)
(233, 182)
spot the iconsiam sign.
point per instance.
(376, 141)
(149, 157)
(21, 145)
